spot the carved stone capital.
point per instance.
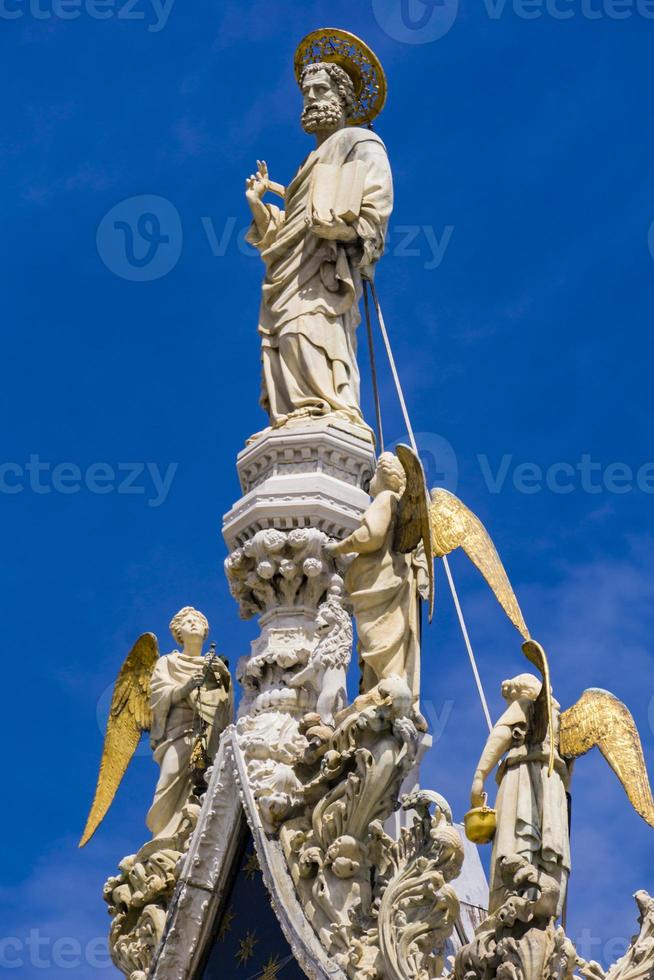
(278, 572)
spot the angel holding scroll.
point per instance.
(185, 700)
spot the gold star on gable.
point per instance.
(271, 969)
(246, 947)
(251, 866)
(226, 924)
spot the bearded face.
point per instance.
(323, 109)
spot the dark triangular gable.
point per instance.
(247, 940)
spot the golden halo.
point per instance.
(353, 56)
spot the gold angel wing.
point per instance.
(453, 525)
(413, 525)
(600, 719)
(544, 711)
(129, 717)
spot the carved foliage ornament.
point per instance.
(381, 908)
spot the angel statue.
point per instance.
(401, 532)
(185, 701)
(330, 234)
(384, 585)
(534, 745)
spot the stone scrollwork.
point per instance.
(138, 897)
(519, 940)
(418, 909)
(638, 961)
(381, 908)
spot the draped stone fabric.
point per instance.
(532, 807)
(383, 587)
(172, 735)
(309, 309)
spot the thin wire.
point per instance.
(396, 376)
(448, 572)
(373, 368)
(468, 644)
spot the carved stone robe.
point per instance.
(383, 587)
(532, 807)
(309, 309)
(172, 736)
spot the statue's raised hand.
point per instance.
(257, 184)
(192, 684)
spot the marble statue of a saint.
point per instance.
(184, 685)
(384, 585)
(532, 807)
(316, 250)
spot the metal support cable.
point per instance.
(464, 630)
(455, 597)
(373, 368)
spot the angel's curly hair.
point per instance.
(527, 684)
(392, 472)
(176, 622)
(343, 82)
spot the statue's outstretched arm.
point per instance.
(498, 744)
(371, 534)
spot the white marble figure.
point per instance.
(383, 586)
(314, 262)
(326, 672)
(181, 689)
(532, 807)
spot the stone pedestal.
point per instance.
(303, 484)
(311, 473)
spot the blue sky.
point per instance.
(519, 291)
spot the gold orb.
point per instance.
(480, 824)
